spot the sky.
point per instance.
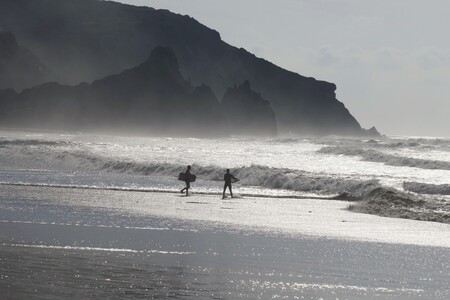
(389, 59)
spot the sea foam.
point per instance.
(425, 188)
(388, 159)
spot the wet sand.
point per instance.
(71, 244)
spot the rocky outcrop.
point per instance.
(247, 112)
(88, 39)
(151, 98)
(19, 68)
(371, 132)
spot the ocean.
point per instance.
(312, 217)
(274, 167)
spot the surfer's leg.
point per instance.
(224, 189)
(231, 192)
(187, 187)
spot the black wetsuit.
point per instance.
(187, 176)
(227, 178)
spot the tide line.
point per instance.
(121, 250)
(97, 226)
(155, 190)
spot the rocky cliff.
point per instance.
(19, 68)
(151, 98)
(247, 112)
(85, 40)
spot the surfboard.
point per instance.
(182, 177)
(234, 180)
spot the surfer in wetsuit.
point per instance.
(187, 175)
(227, 178)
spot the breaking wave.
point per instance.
(286, 140)
(431, 141)
(388, 159)
(33, 142)
(393, 145)
(388, 143)
(371, 196)
(424, 188)
(254, 175)
(388, 202)
(76, 157)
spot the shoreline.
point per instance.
(78, 244)
(290, 217)
(168, 191)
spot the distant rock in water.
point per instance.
(247, 112)
(151, 98)
(85, 40)
(372, 132)
(19, 68)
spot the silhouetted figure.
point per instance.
(228, 177)
(187, 177)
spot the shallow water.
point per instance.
(91, 159)
(76, 244)
(90, 216)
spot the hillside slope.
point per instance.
(85, 40)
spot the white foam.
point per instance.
(98, 249)
(99, 226)
(389, 159)
(286, 164)
(301, 286)
(425, 188)
(291, 217)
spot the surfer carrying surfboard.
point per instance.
(228, 178)
(187, 176)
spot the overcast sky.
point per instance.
(390, 59)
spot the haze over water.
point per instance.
(105, 212)
(90, 215)
(388, 59)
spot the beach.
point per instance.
(98, 216)
(61, 243)
(149, 150)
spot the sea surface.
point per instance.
(90, 215)
(275, 167)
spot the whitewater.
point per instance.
(275, 167)
(394, 177)
(331, 217)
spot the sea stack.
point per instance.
(247, 112)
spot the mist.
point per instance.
(388, 59)
(224, 149)
(106, 77)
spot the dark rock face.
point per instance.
(247, 112)
(19, 68)
(88, 39)
(152, 98)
